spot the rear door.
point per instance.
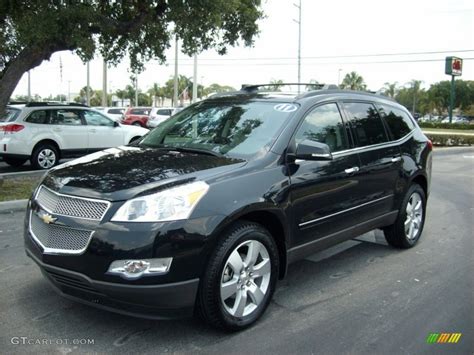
(324, 194)
(103, 133)
(380, 160)
(69, 125)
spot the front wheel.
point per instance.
(407, 229)
(45, 156)
(240, 278)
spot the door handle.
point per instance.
(352, 170)
(396, 159)
(57, 129)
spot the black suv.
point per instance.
(206, 211)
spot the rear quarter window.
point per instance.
(9, 115)
(39, 117)
(398, 121)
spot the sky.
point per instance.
(338, 36)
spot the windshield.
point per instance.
(234, 129)
(9, 115)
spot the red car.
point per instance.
(137, 116)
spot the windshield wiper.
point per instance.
(194, 150)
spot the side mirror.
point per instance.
(311, 150)
(116, 124)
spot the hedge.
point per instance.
(446, 125)
(450, 139)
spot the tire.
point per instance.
(223, 267)
(45, 156)
(397, 235)
(14, 161)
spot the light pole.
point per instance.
(69, 91)
(175, 89)
(88, 95)
(29, 86)
(339, 77)
(104, 84)
(195, 80)
(299, 42)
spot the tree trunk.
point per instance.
(10, 76)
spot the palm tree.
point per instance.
(391, 89)
(121, 94)
(415, 86)
(154, 93)
(276, 85)
(353, 81)
(313, 85)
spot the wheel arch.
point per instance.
(421, 180)
(272, 220)
(47, 141)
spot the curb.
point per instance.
(13, 206)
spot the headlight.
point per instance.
(168, 205)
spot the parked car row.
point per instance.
(44, 133)
(148, 116)
(445, 119)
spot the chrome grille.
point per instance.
(72, 206)
(58, 239)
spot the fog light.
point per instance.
(134, 269)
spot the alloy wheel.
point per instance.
(414, 212)
(245, 279)
(46, 158)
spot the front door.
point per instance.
(103, 132)
(324, 194)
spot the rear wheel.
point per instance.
(240, 278)
(45, 156)
(407, 229)
(14, 161)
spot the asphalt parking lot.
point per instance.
(359, 297)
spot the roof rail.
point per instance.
(316, 86)
(52, 103)
(17, 102)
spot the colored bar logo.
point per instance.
(443, 338)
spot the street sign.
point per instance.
(453, 66)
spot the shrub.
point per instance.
(451, 139)
(446, 125)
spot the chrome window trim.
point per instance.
(47, 250)
(74, 197)
(375, 146)
(344, 211)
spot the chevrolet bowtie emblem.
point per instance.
(47, 218)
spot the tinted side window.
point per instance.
(140, 111)
(397, 121)
(164, 112)
(66, 117)
(38, 117)
(116, 111)
(324, 124)
(366, 123)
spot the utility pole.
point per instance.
(136, 90)
(104, 84)
(88, 95)
(339, 77)
(299, 43)
(69, 91)
(175, 92)
(29, 86)
(195, 80)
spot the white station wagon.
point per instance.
(44, 133)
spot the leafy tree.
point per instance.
(121, 94)
(217, 89)
(276, 85)
(31, 32)
(353, 81)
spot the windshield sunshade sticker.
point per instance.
(285, 108)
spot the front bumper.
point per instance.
(165, 301)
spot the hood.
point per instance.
(124, 172)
